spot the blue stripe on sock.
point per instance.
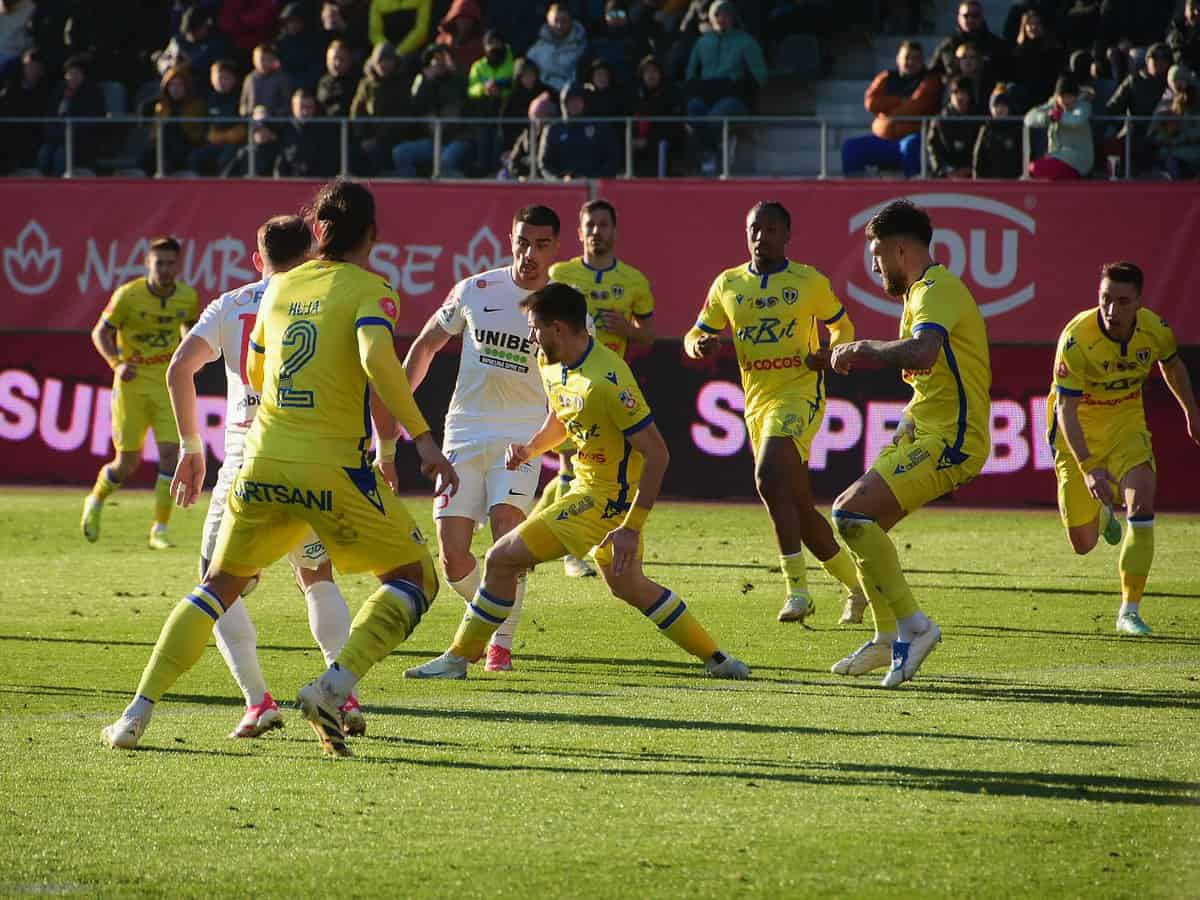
(1139, 519)
(203, 607)
(212, 598)
(487, 617)
(679, 611)
(492, 598)
(418, 603)
(846, 514)
(666, 594)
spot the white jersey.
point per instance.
(225, 325)
(499, 393)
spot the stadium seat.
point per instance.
(797, 56)
(114, 98)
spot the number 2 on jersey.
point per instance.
(303, 336)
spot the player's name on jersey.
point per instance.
(304, 308)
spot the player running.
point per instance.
(224, 332)
(1098, 427)
(498, 399)
(322, 339)
(136, 334)
(594, 399)
(942, 441)
(773, 306)
(622, 306)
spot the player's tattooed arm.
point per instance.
(916, 353)
(1176, 375)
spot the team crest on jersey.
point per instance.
(1143, 356)
(628, 400)
(790, 296)
(388, 305)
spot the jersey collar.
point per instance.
(765, 275)
(579, 362)
(920, 278)
(1104, 331)
(599, 272)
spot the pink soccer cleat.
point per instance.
(499, 659)
(354, 723)
(259, 719)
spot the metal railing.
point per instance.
(724, 130)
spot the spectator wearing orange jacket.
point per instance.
(908, 90)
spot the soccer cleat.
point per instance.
(324, 717)
(499, 659)
(158, 537)
(259, 719)
(854, 607)
(89, 524)
(448, 665)
(1131, 623)
(867, 658)
(574, 567)
(727, 667)
(125, 733)
(908, 656)
(797, 608)
(1112, 531)
(353, 721)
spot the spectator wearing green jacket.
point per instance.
(489, 85)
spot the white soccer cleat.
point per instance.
(797, 608)
(907, 657)
(89, 523)
(727, 667)
(854, 607)
(353, 721)
(867, 658)
(1131, 623)
(448, 665)
(158, 537)
(125, 733)
(325, 718)
(260, 719)
(574, 567)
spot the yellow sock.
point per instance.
(484, 615)
(841, 567)
(162, 499)
(1137, 553)
(387, 618)
(794, 572)
(876, 558)
(180, 643)
(105, 485)
(671, 616)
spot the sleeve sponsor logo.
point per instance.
(1063, 371)
(628, 400)
(388, 305)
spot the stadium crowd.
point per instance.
(269, 74)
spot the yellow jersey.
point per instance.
(773, 317)
(315, 396)
(620, 287)
(600, 404)
(952, 398)
(1106, 374)
(149, 327)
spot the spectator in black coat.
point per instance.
(604, 96)
(527, 87)
(998, 151)
(1183, 37)
(952, 135)
(571, 149)
(26, 95)
(1037, 61)
(335, 90)
(308, 147)
(299, 46)
(383, 91)
(197, 45)
(614, 40)
(656, 97)
(1138, 95)
(968, 65)
(76, 96)
(993, 51)
(336, 25)
(224, 138)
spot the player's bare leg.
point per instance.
(109, 479)
(168, 458)
(504, 518)
(1137, 550)
(461, 568)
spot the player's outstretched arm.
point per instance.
(1176, 375)
(190, 357)
(655, 456)
(433, 337)
(915, 353)
(550, 435)
(1098, 479)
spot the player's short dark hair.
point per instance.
(774, 207)
(593, 206)
(1123, 272)
(901, 218)
(163, 242)
(558, 302)
(540, 216)
(342, 213)
(284, 238)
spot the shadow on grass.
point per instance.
(1008, 631)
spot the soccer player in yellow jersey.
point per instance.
(321, 342)
(1102, 451)
(620, 464)
(622, 308)
(942, 441)
(773, 306)
(136, 334)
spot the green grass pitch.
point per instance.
(1037, 754)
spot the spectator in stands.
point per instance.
(1066, 115)
(15, 36)
(518, 20)
(402, 23)
(527, 87)
(489, 84)
(336, 27)
(224, 138)
(76, 96)
(1138, 95)
(997, 152)
(1183, 37)
(910, 89)
(249, 23)
(335, 90)
(614, 40)
(969, 66)
(1014, 19)
(26, 95)
(518, 159)
(176, 100)
(559, 48)
(1177, 134)
(570, 149)
(382, 91)
(438, 91)
(301, 48)
(308, 147)
(267, 85)
(1037, 61)
(655, 144)
(604, 97)
(461, 30)
(952, 135)
(993, 51)
(197, 45)
(1179, 77)
(724, 72)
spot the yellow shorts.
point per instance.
(364, 527)
(574, 524)
(138, 405)
(919, 470)
(799, 420)
(1076, 505)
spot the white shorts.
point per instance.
(308, 554)
(484, 482)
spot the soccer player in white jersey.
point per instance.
(498, 399)
(223, 330)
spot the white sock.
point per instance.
(883, 637)
(238, 643)
(504, 634)
(328, 618)
(1127, 607)
(139, 708)
(466, 586)
(911, 626)
(339, 683)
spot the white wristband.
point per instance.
(191, 443)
